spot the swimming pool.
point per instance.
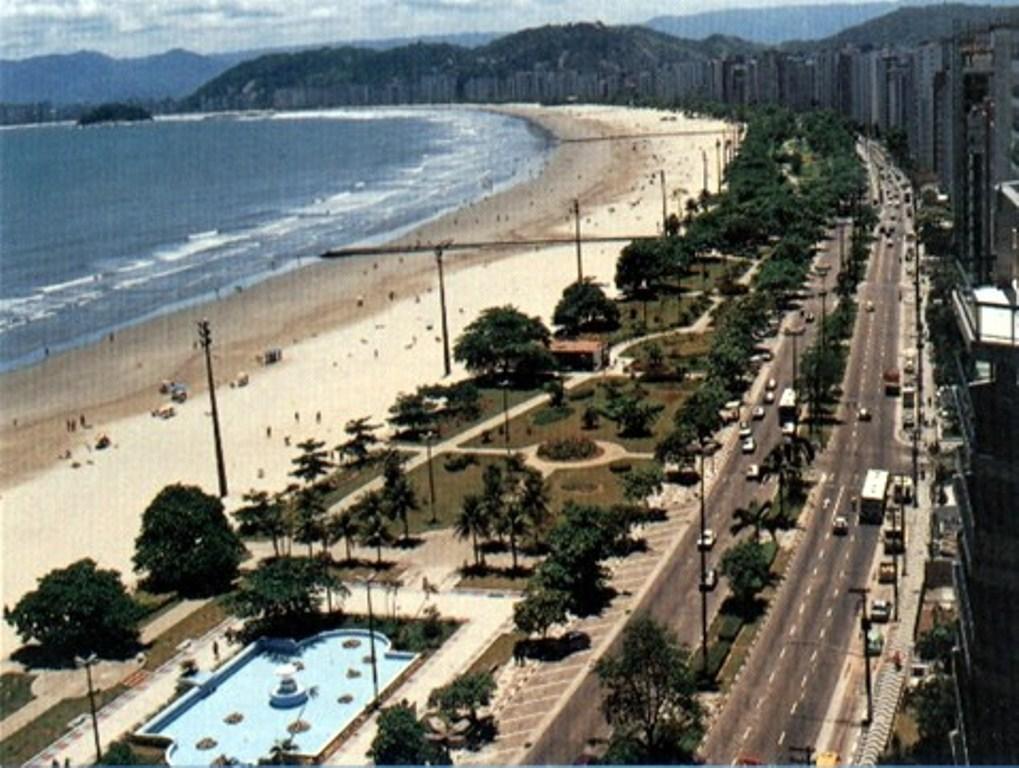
(274, 690)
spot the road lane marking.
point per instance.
(809, 588)
(793, 710)
(815, 571)
(781, 654)
(813, 656)
(771, 677)
(821, 554)
(746, 733)
(803, 607)
(792, 630)
(828, 614)
(820, 636)
(781, 738)
(803, 682)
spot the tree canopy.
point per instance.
(746, 565)
(584, 305)
(401, 740)
(77, 610)
(186, 543)
(504, 341)
(650, 696)
(283, 590)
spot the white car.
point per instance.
(772, 385)
(769, 397)
(707, 540)
(758, 413)
(745, 430)
(881, 610)
(789, 429)
(870, 306)
(754, 472)
(710, 580)
(840, 525)
(864, 414)
(749, 446)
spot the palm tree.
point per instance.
(373, 526)
(493, 500)
(473, 522)
(397, 492)
(786, 461)
(263, 516)
(309, 522)
(532, 498)
(280, 749)
(343, 525)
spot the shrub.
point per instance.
(620, 467)
(458, 462)
(585, 393)
(574, 448)
(551, 415)
(729, 627)
(717, 654)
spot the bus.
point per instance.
(788, 412)
(874, 496)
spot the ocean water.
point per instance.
(105, 226)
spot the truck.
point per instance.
(893, 381)
(874, 496)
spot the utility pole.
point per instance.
(816, 411)
(864, 629)
(371, 637)
(704, 162)
(87, 663)
(718, 164)
(665, 204)
(429, 435)
(895, 561)
(205, 337)
(919, 375)
(704, 572)
(442, 309)
(576, 219)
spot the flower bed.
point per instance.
(568, 449)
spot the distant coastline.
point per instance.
(115, 112)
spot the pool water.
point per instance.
(230, 712)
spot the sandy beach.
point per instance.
(341, 358)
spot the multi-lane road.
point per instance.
(811, 641)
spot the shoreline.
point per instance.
(340, 360)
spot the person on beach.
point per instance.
(268, 431)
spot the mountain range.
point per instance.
(91, 77)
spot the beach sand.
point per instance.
(340, 360)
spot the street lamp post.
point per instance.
(704, 161)
(442, 309)
(371, 642)
(576, 221)
(718, 164)
(704, 566)
(864, 629)
(665, 203)
(429, 435)
(87, 663)
(505, 413)
(205, 337)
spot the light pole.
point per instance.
(442, 309)
(704, 571)
(576, 221)
(371, 641)
(665, 204)
(718, 164)
(205, 337)
(895, 561)
(87, 663)
(505, 413)
(864, 629)
(794, 334)
(429, 435)
(704, 161)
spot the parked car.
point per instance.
(772, 384)
(886, 572)
(745, 429)
(758, 413)
(754, 472)
(789, 429)
(749, 445)
(870, 306)
(840, 525)
(864, 414)
(710, 580)
(769, 397)
(809, 317)
(706, 540)
(881, 610)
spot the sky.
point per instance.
(142, 27)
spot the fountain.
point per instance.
(287, 692)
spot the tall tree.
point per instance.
(261, 516)
(370, 511)
(309, 517)
(504, 341)
(397, 492)
(401, 739)
(283, 591)
(358, 447)
(650, 694)
(343, 525)
(412, 415)
(473, 522)
(584, 305)
(541, 608)
(312, 463)
(750, 516)
(186, 543)
(747, 568)
(77, 610)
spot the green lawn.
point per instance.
(536, 426)
(688, 349)
(193, 626)
(491, 404)
(27, 742)
(15, 691)
(658, 313)
(594, 485)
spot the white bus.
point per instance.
(788, 412)
(874, 496)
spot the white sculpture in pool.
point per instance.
(287, 693)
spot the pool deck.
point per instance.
(153, 691)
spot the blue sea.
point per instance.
(105, 226)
